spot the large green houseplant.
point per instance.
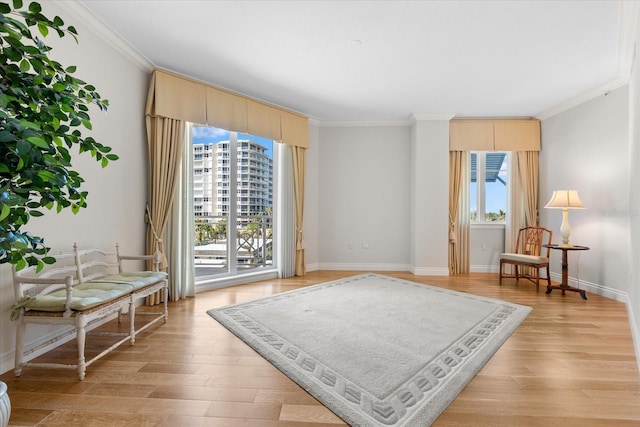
(43, 111)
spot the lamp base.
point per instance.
(565, 229)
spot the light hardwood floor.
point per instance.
(570, 363)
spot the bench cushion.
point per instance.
(85, 296)
(531, 259)
(137, 279)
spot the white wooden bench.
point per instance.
(82, 290)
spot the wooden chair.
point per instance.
(529, 256)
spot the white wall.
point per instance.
(311, 198)
(586, 149)
(363, 209)
(383, 197)
(429, 233)
(486, 243)
(633, 303)
(595, 148)
(117, 194)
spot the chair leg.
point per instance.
(517, 275)
(500, 274)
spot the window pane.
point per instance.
(488, 186)
(234, 229)
(496, 187)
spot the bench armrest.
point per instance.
(155, 258)
(25, 284)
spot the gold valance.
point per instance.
(494, 135)
(180, 98)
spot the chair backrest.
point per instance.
(531, 239)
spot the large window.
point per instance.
(233, 202)
(489, 172)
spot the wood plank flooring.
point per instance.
(570, 363)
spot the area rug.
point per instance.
(376, 350)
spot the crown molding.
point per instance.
(81, 14)
(580, 99)
(418, 117)
(629, 13)
(364, 123)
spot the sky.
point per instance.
(210, 135)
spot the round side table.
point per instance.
(564, 286)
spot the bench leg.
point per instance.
(81, 334)
(166, 302)
(19, 356)
(132, 321)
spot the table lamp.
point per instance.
(565, 200)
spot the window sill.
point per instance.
(488, 225)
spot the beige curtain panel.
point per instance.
(180, 98)
(165, 138)
(494, 135)
(528, 167)
(459, 221)
(298, 179)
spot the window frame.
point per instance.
(481, 189)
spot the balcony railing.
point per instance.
(253, 244)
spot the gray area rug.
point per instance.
(376, 350)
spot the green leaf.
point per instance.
(44, 30)
(20, 264)
(38, 141)
(29, 125)
(71, 69)
(24, 66)
(35, 7)
(4, 212)
(48, 260)
(23, 147)
(17, 4)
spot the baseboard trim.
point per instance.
(594, 288)
(430, 271)
(363, 267)
(485, 269)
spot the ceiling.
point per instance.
(382, 60)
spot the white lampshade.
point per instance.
(565, 200)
